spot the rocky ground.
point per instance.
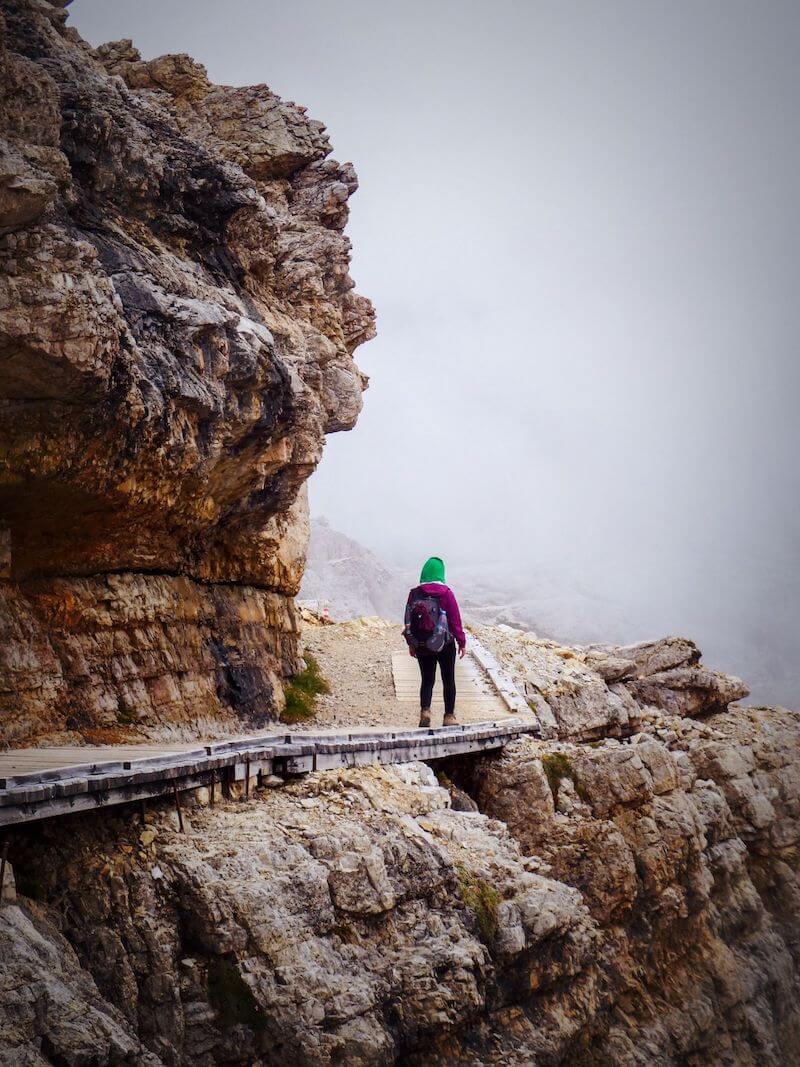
(591, 691)
(623, 893)
(355, 657)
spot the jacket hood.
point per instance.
(433, 571)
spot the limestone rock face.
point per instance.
(623, 903)
(351, 918)
(177, 327)
(685, 851)
(51, 1008)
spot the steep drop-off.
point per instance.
(626, 901)
(177, 325)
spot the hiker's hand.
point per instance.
(462, 651)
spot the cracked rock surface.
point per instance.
(621, 902)
(177, 328)
(593, 691)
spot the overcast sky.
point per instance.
(579, 224)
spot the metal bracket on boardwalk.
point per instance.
(44, 794)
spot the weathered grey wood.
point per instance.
(57, 806)
(52, 791)
(500, 679)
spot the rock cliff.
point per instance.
(622, 902)
(177, 325)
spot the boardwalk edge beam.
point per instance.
(88, 787)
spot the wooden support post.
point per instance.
(213, 788)
(3, 858)
(142, 811)
(178, 806)
(247, 778)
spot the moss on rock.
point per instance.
(482, 899)
(303, 690)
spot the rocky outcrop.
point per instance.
(51, 1009)
(350, 918)
(623, 893)
(692, 881)
(594, 691)
(177, 326)
(620, 902)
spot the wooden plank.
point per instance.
(475, 695)
(509, 693)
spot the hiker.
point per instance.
(432, 628)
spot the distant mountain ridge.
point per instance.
(349, 580)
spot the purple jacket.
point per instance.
(447, 599)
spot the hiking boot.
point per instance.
(450, 720)
(425, 717)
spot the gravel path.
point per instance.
(356, 659)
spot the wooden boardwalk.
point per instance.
(41, 783)
(18, 762)
(476, 698)
(44, 783)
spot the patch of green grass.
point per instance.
(232, 997)
(302, 692)
(482, 899)
(557, 765)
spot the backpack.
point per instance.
(426, 628)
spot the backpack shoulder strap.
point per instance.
(413, 595)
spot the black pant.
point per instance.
(447, 665)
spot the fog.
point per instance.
(579, 225)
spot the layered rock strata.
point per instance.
(625, 893)
(177, 325)
(622, 903)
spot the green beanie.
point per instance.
(433, 571)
